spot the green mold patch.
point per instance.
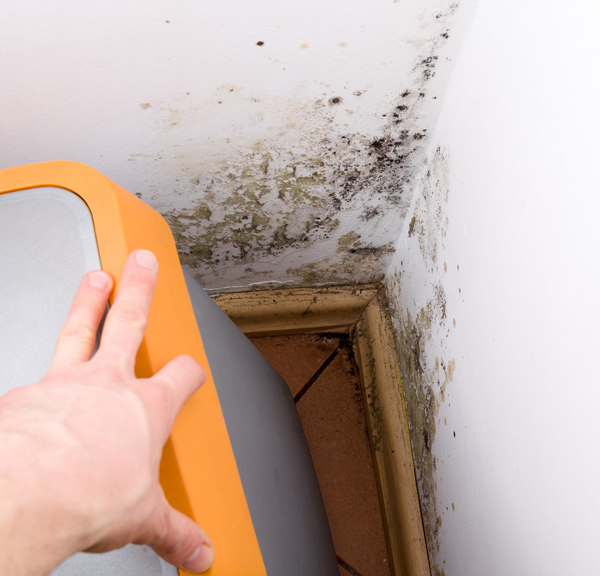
(348, 241)
(353, 268)
(202, 211)
(295, 189)
(271, 197)
(423, 396)
(266, 208)
(411, 226)
(430, 221)
(425, 374)
(306, 184)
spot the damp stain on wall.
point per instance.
(319, 202)
(425, 382)
(426, 365)
(270, 200)
(429, 220)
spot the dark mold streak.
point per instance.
(267, 201)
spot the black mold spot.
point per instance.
(405, 93)
(427, 66)
(370, 212)
(335, 100)
(370, 250)
(336, 202)
(260, 43)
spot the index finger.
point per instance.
(127, 319)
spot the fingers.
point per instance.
(126, 321)
(167, 391)
(77, 338)
(179, 540)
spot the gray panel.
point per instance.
(131, 560)
(270, 449)
(47, 243)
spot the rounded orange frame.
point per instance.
(198, 471)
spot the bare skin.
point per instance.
(80, 450)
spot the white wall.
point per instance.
(495, 287)
(266, 179)
(274, 164)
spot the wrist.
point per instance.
(37, 530)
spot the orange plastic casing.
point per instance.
(198, 471)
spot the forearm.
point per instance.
(31, 544)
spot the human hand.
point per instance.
(80, 450)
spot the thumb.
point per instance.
(179, 540)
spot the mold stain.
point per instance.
(426, 372)
(307, 188)
(353, 268)
(429, 221)
(264, 207)
(425, 390)
(262, 204)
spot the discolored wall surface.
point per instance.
(493, 290)
(416, 287)
(280, 140)
(452, 155)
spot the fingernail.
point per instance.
(99, 280)
(201, 559)
(146, 259)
